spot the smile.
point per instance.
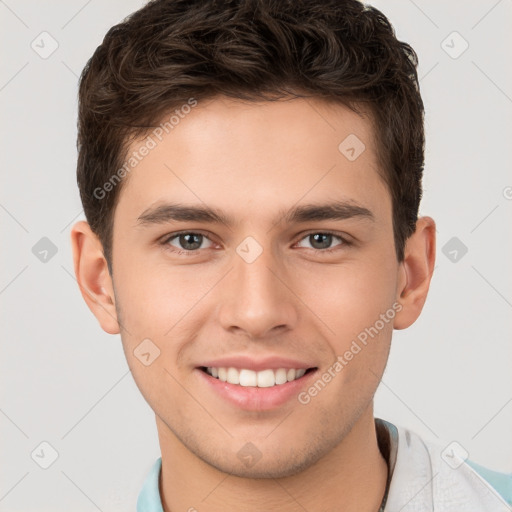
(250, 378)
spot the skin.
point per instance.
(253, 161)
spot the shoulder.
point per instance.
(501, 482)
(428, 476)
(459, 480)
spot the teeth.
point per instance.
(281, 376)
(266, 379)
(261, 379)
(247, 378)
(233, 376)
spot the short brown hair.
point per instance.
(172, 50)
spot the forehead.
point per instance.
(253, 156)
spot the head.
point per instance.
(297, 129)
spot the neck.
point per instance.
(351, 477)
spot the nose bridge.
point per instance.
(256, 300)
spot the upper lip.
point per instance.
(251, 363)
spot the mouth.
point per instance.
(255, 384)
(266, 378)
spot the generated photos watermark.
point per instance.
(357, 345)
(150, 143)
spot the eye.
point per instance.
(187, 242)
(322, 241)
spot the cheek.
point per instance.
(349, 298)
(155, 304)
(156, 300)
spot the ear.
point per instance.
(415, 272)
(93, 277)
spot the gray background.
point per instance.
(66, 382)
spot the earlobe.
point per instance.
(93, 276)
(416, 272)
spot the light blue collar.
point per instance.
(149, 496)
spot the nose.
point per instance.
(257, 299)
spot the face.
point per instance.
(249, 244)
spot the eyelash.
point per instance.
(172, 236)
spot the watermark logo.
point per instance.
(146, 352)
(454, 455)
(249, 249)
(44, 455)
(44, 250)
(44, 45)
(352, 147)
(454, 249)
(454, 45)
(249, 455)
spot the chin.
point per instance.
(263, 467)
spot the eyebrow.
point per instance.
(336, 210)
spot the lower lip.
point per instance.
(257, 399)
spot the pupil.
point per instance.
(190, 241)
(321, 239)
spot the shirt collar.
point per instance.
(149, 496)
